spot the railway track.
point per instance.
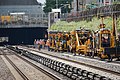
(63, 68)
(40, 69)
(81, 63)
(53, 77)
(15, 67)
(91, 66)
(116, 62)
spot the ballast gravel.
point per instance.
(5, 73)
(94, 62)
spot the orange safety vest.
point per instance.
(48, 43)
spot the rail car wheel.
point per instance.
(100, 56)
(58, 50)
(61, 51)
(92, 54)
(74, 54)
(51, 49)
(118, 59)
(55, 50)
(86, 54)
(79, 53)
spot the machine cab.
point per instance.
(103, 38)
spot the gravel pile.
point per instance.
(5, 73)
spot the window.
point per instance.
(102, 1)
(105, 40)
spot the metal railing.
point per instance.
(82, 15)
(8, 21)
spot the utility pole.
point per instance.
(77, 5)
(82, 5)
(56, 4)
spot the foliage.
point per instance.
(51, 4)
(116, 2)
(92, 25)
(118, 25)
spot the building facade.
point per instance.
(21, 22)
(22, 13)
(80, 5)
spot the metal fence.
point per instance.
(88, 14)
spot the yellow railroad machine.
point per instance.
(102, 43)
(65, 41)
(62, 41)
(105, 42)
(51, 37)
(5, 19)
(58, 40)
(81, 41)
(103, 39)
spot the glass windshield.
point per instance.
(105, 40)
(83, 37)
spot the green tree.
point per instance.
(116, 2)
(51, 4)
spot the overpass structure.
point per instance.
(22, 21)
(23, 13)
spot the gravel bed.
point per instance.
(5, 73)
(62, 77)
(94, 62)
(111, 66)
(102, 64)
(28, 70)
(7, 52)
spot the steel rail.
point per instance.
(38, 68)
(81, 63)
(16, 68)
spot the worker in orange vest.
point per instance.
(48, 44)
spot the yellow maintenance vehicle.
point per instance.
(81, 41)
(65, 41)
(101, 43)
(51, 37)
(59, 41)
(5, 19)
(105, 42)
